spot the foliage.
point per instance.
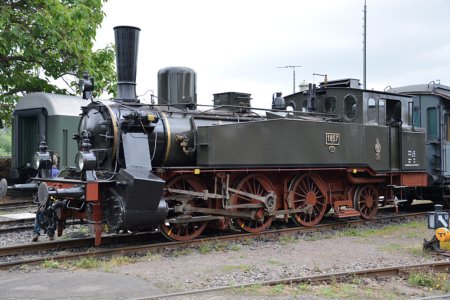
(50, 264)
(240, 268)
(388, 230)
(5, 142)
(43, 42)
(433, 281)
(87, 263)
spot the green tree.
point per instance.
(44, 43)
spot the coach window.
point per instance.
(432, 129)
(372, 110)
(350, 107)
(447, 125)
(330, 104)
(381, 112)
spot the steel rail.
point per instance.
(340, 276)
(16, 228)
(20, 224)
(15, 221)
(12, 206)
(99, 252)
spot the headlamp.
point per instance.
(85, 160)
(42, 160)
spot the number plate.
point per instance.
(332, 139)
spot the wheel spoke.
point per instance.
(308, 195)
(189, 230)
(255, 184)
(366, 201)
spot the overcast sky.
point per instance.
(237, 45)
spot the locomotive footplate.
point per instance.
(191, 219)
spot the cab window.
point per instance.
(394, 112)
(372, 110)
(330, 104)
(350, 107)
(381, 111)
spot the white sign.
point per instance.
(441, 219)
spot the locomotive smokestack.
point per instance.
(127, 40)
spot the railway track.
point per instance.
(339, 277)
(16, 225)
(12, 225)
(39, 252)
(6, 206)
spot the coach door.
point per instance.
(394, 122)
(29, 127)
(445, 144)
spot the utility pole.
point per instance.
(293, 69)
(364, 45)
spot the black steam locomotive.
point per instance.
(173, 166)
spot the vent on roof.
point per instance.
(344, 83)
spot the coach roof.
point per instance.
(62, 105)
(424, 89)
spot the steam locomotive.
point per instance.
(181, 168)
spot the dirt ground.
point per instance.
(227, 264)
(219, 264)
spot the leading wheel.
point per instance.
(184, 231)
(366, 201)
(309, 194)
(259, 185)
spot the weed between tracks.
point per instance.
(240, 268)
(407, 229)
(87, 263)
(431, 281)
(333, 290)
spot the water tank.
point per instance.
(177, 86)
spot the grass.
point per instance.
(418, 251)
(209, 247)
(275, 262)
(287, 239)
(410, 230)
(250, 289)
(334, 290)
(87, 263)
(182, 252)
(241, 268)
(151, 256)
(116, 261)
(432, 281)
(392, 247)
(50, 264)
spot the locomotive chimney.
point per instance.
(127, 40)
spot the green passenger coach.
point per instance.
(38, 115)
